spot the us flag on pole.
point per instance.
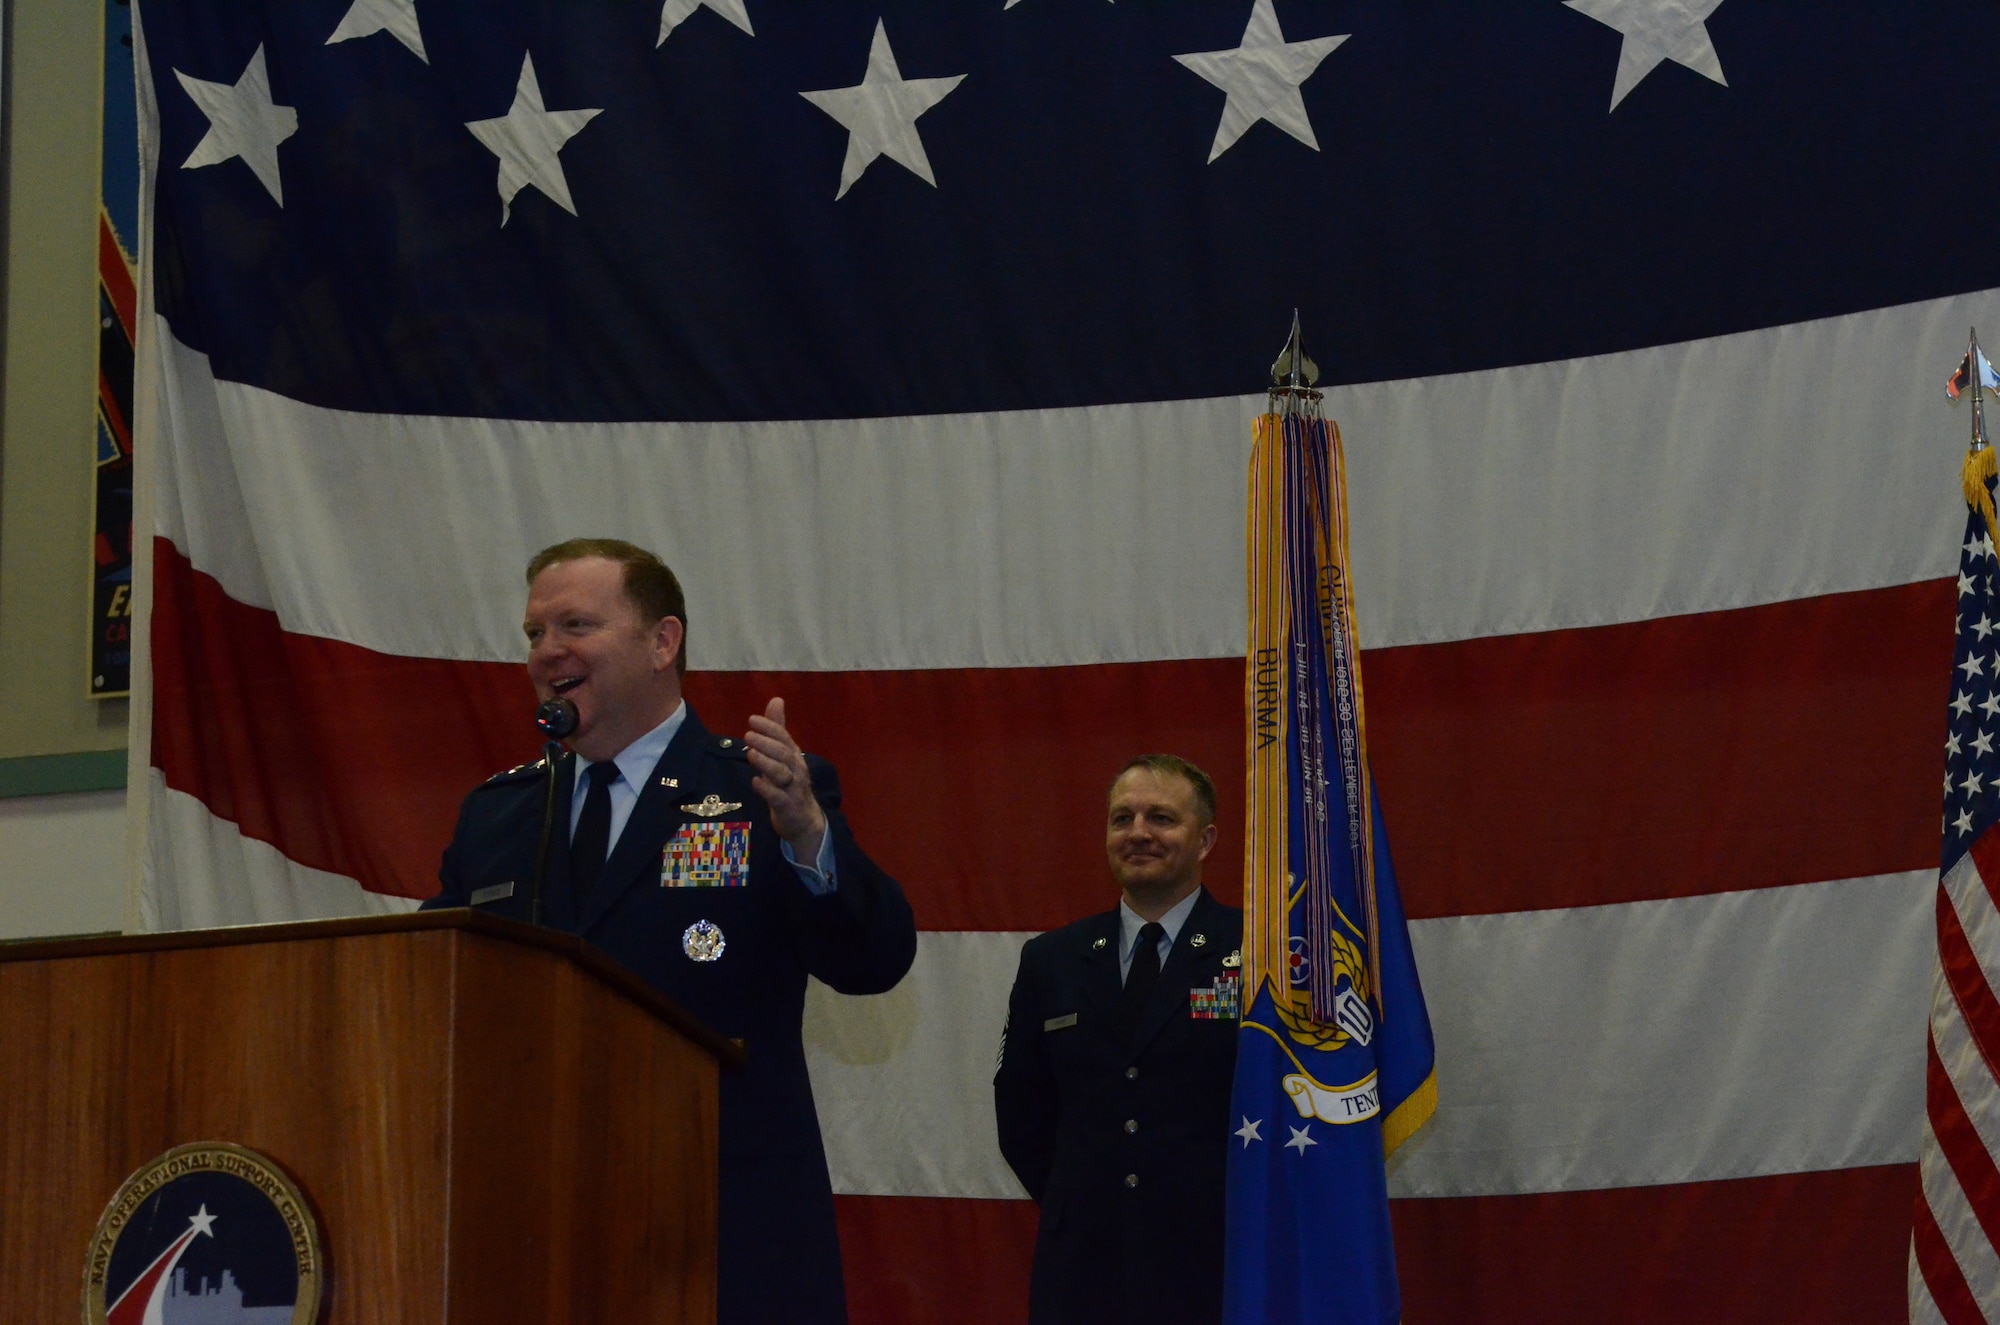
(1954, 1272)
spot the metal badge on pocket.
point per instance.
(707, 854)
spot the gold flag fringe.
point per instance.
(1980, 468)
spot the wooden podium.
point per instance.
(494, 1123)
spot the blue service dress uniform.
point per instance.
(1123, 1142)
(778, 1248)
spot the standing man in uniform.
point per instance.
(718, 869)
(1113, 1089)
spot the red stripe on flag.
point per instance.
(1960, 1143)
(1688, 755)
(343, 759)
(1805, 1247)
(1962, 973)
(1986, 856)
(914, 1260)
(1939, 1267)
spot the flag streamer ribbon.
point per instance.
(1303, 687)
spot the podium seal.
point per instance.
(209, 1231)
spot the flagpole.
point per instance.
(1293, 378)
(1978, 407)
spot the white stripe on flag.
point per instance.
(1971, 1075)
(1734, 1035)
(1977, 916)
(1575, 493)
(1923, 1310)
(1961, 1229)
(201, 872)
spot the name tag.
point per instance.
(498, 892)
(707, 854)
(1059, 1023)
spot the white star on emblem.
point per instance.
(242, 121)
(201, 1220)
(398, 18)
(1961, 704)
(1982, 627)
(880, 114)
(1301, 1138)
(1262, 78)
(1249, 1132)
(529, 140)
(1656, 30)
(1963, 823)
(1970, 667)
(676, 12)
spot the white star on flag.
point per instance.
(398, 18)
(1249, 1132)
(1262, 78)
(1961, 704)
(1982, 626)
(1990, 705)
(1980, 742)
(1965, 585)
(242, 121)
(676, 12)
(1656, 30)
(1971, 784)
(529, 140)
(1964, 822)
(1970, 666)
(1301, 1138)
(880, 114)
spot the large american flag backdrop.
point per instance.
(924, 340)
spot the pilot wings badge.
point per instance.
(711, 806)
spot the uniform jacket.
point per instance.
(779, 1253)
(1122, 1144)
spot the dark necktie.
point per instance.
(593, 830)
(1139, 981)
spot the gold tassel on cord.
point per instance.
(1980, 468)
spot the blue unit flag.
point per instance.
(1336, 1066)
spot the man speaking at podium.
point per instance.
(717, 868)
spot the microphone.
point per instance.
(556, 718)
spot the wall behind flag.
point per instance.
(61, 753)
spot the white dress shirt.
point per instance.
(1128, 931)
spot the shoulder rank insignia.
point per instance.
(518, 769)
(711, 806)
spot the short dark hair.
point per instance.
(649, 584)
(1175, 766)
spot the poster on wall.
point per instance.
(117, 307)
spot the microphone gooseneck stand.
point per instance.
(556, 718)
